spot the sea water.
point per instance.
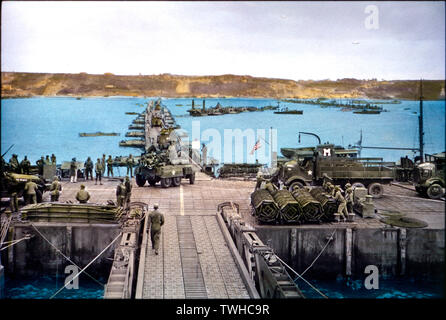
(42, 126)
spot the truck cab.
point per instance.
(429, 176)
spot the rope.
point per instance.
(323, 249)
(313, 287)
(76, 276)
(13, 242)
(61, 253)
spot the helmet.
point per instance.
(347, 185)
(155, 206)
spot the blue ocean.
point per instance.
(42, 126)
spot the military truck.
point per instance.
(156, 166)
(429, 176)
(324, 163)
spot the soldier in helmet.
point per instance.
(98, 170)
(40, 164)
(82, 195)
(342, 204)
(109, 166)
(31, 191)
(88, 169)
(73, 170)
(53, 159)
(130, 164)
(55, 189)
(25, 165)
(103, 165)
(14, 164)
(156, 219)
(128, 190)
(349, 197)
(120, 193)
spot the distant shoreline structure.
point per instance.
(81, 85)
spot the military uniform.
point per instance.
(98, 169)
(25, 165)
(53, 159)
(73, 170)
(47, 160)
(128, 190)
(349, 199)
(14, 202)
(40, 164)
(130, 164)
(82, 195)
(55, 189)
(30, 191)
(14, 164)
(156, 221)
(103, 165)
(120, 194)
(109, 166)
(342, 207)
(88, 169)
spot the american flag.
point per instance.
(256, 146)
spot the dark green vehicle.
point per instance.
(429, 176)
(155, 167)
(15, 182)
(310, 169)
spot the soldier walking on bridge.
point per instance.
(82, 195)
(30, 191)
(156, 221)
(55, 189)
(120, 193)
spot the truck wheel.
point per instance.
(140, 180)
(435, 191)
(376, 190)
(152, 182)
(176, 181)
(166, 182)
(294, 185)
(192, 178)
(357, 185)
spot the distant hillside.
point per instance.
(15, 84)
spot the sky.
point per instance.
(290, 40)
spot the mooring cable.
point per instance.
(13, 242)
(61, 253)
(313, 287)
(77, 275)
(323, 249)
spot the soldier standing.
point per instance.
(30, 191)
(40, 164)
(88, 169)
(53, 159)
(14, 202)
(55, 189)
(25, 165)
(120, 193)
(47, 160)
(130, 164)
(73, 170)
(349, 197)
(82, 195)
(103, 165)
(156, 222)
(98, 169)
(342, 208)
(128, 190)
(14, 164)
(109, 166)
